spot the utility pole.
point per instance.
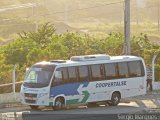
(14, 79)
(158, 15)
(137, 14)
(127, 48)
(153, 71)
(35, 15)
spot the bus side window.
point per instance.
(123, 70)
(111, 71)
(97, 72)
(102, 71)
(83, 73)
(135, 69)
(65, 75)
(72, 71)
(57, 80)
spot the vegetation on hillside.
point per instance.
(94, 16)
(45, 44)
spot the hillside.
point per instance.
(97, 17)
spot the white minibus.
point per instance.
(84, 79)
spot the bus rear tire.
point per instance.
(59, 103)
(34, 107)
(115, 99)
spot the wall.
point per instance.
(156, 86)
(9, 98)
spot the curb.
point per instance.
(11, 105)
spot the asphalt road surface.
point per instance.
(150, 103)
(78, 113)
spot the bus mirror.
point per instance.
(27, 70)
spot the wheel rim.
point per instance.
(59, 104)
(115, 99)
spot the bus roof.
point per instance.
(92, 60)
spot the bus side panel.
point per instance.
(99, 90)
(102, 90)
(136, 86)
(73, 92)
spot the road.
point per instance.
(141, 104)
(78, 113)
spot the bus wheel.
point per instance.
(59, 103)
(115, 99)
(34, 107)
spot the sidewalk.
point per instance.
(151, 100)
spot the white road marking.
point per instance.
(149, 104)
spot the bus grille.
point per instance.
(30, 98)
(30, 101)
(30, 95)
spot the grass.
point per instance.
(99, 29)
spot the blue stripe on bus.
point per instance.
(67, 89)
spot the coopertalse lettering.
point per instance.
(111, 84)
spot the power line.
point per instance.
(28, 5)
(61, 12)
(96, 6)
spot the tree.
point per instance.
(36, 55)
(42, 37)
(17, 51)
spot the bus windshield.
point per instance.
(39, 76)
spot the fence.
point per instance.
(7, 88)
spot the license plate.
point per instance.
(30, 98)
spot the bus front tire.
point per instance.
(59, 103)
(34, 107)
(115, 99)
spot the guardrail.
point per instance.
(7, 88)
